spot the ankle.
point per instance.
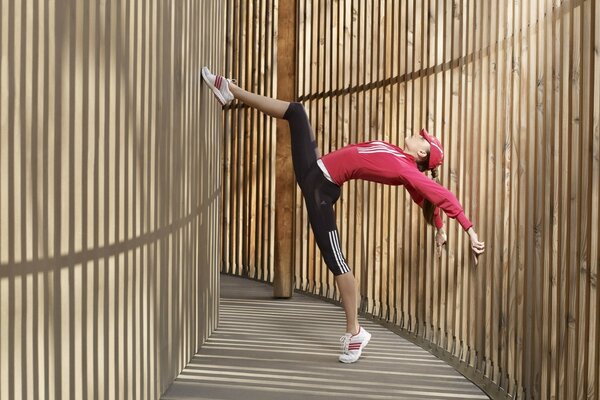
(233, 88)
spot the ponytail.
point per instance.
(429, 207)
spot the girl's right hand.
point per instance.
(476, 246)
(440, 241)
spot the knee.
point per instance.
(294, 109)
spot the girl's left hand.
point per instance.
(440, 241)
(477, 247)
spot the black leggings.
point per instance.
(319, 193)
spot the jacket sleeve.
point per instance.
(427, 188)
(418, 199)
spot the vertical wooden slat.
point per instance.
(555, 212)
(333, 121)
(311, 108)
(342, 119)
(593, 388)
(501, 224)
(274, 29)
(235, 139)
(417, 118)
(387, 58)
(539, 277)
(259, 135)
(319, 109)
(448, 281)
(478, 109)
(518, 146)
(401, 277)
(252, 62)
(283, 285)
(565, 160)
(313, 112)
(486, 78)
(81, 160)
(436, 128)
(585, 349)
(471, 276)
(361, 128)
(572, 231)
(480, 337)
(227, 148)
(546, 141)
(263, 76)
(460, 21)
(351, 128)
(377, 115)
(247, 135)
(238, 137)
(301, 275)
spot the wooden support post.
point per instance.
(285, 183)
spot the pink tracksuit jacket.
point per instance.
(382, 162)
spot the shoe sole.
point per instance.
(362, 346)
(215, 91)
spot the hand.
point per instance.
(476, 246)
(440, 241)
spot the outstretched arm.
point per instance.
(477, 247)
(445, 199)
(440, 236)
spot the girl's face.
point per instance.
(417, 145)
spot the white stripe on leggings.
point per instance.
(334, 240)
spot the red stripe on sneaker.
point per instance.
(218, 82)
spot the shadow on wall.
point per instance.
(109, 196)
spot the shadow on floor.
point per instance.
(269, 349)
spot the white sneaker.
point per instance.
(219, 86)
(352, 345)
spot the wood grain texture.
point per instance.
(511, 89)
(285, 182)
(111, 195)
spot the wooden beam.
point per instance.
(285, 183)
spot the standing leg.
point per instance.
(320, 195)
(347, 287)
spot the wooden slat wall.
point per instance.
(249, 141)
(513, 91)
(110, 195)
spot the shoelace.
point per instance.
(345, 342)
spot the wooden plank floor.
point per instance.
(287, 349)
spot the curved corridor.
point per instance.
(273, 349)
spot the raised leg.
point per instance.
(273, 107)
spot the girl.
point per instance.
(320, 179)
